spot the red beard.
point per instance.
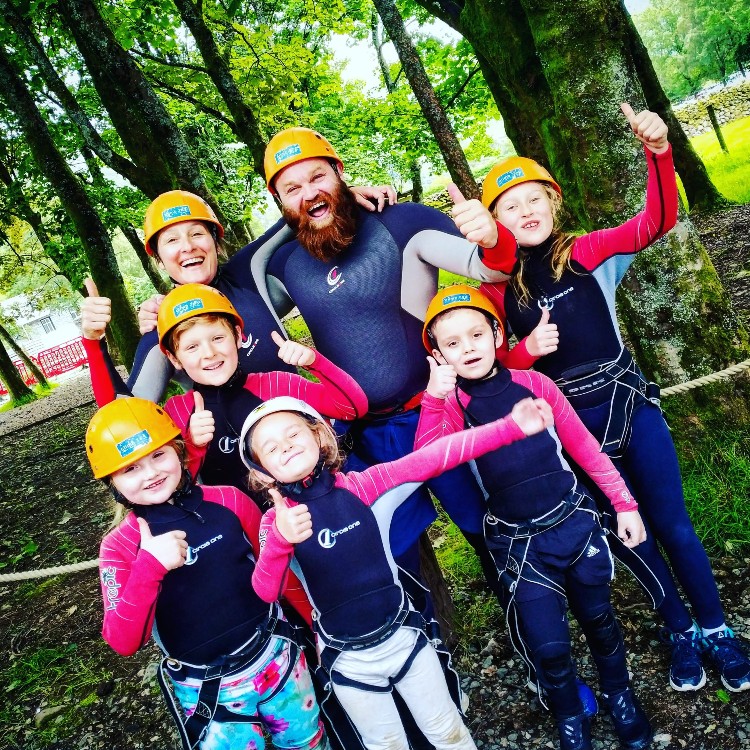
(326, 242)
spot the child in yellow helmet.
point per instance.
(200, 331)
(180, 562)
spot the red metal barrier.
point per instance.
(53, 361)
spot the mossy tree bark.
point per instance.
(93, 236)
(30, 364)
(561, 71)
(18, 390)
(148, 132)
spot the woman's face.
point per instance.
(285, 446)
(187, 252)
(526, 211)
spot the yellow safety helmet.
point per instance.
(458, 295)
(172, 208)
(188, 300)
(511, 172)
(125, 430)
(293, 145)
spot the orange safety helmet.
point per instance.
(511, 172)
(458, 295)
(125, 430)
(188, 300)
(293, 145)
(172, 208)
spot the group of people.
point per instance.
(244, 532)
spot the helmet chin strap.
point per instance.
(295, 488)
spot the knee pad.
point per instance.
(603, 633)
(555, 663)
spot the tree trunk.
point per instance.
(92, 233)
(432, 109)
(245, 123)
(18, 390)
(157, 280)
(678, 316)
(417, 188)
(30, 364)
(562, 70)
(150, 136)
(141, 178)
(701, 193)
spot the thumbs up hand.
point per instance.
(473, 220)
(292, 352)
(545, 338)
(295, 523)
(96, 312)
(648, 128)
(169, 549)
(201, 427)
(442, 379)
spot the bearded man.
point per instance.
(362, 282)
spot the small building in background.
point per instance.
(37, 330)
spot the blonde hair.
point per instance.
(123, 507)
(172, 337)
(560, 251)
(330, 451)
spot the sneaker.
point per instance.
(730, 658)
(585, 693)
(575, 733)
(686, 670)
(632, 726)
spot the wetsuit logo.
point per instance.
(547, 303)
(334, 279)
(192, 552)
(327, 538)
(226, 444)
(249, 342)
(109, 579)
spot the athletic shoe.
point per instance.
(730, 658)
(686, 670)
(632, 726)
(585, 693)
(575, 733)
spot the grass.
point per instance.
(729, 172)
(717, 485)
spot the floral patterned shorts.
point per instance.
(285, 707)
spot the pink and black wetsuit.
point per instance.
(607, 391)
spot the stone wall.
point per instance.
(730, 103)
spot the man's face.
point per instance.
(306, 187)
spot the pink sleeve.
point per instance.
(337, 395)
(432, 460)
(501, 257)
(130, 579)
(101, 379)
(272, 568)
(579, 442)
(437, 417)
(656, 219)
(181, 408)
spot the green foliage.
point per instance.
(693, 42)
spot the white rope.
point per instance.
(44, 572)
(76, 567)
